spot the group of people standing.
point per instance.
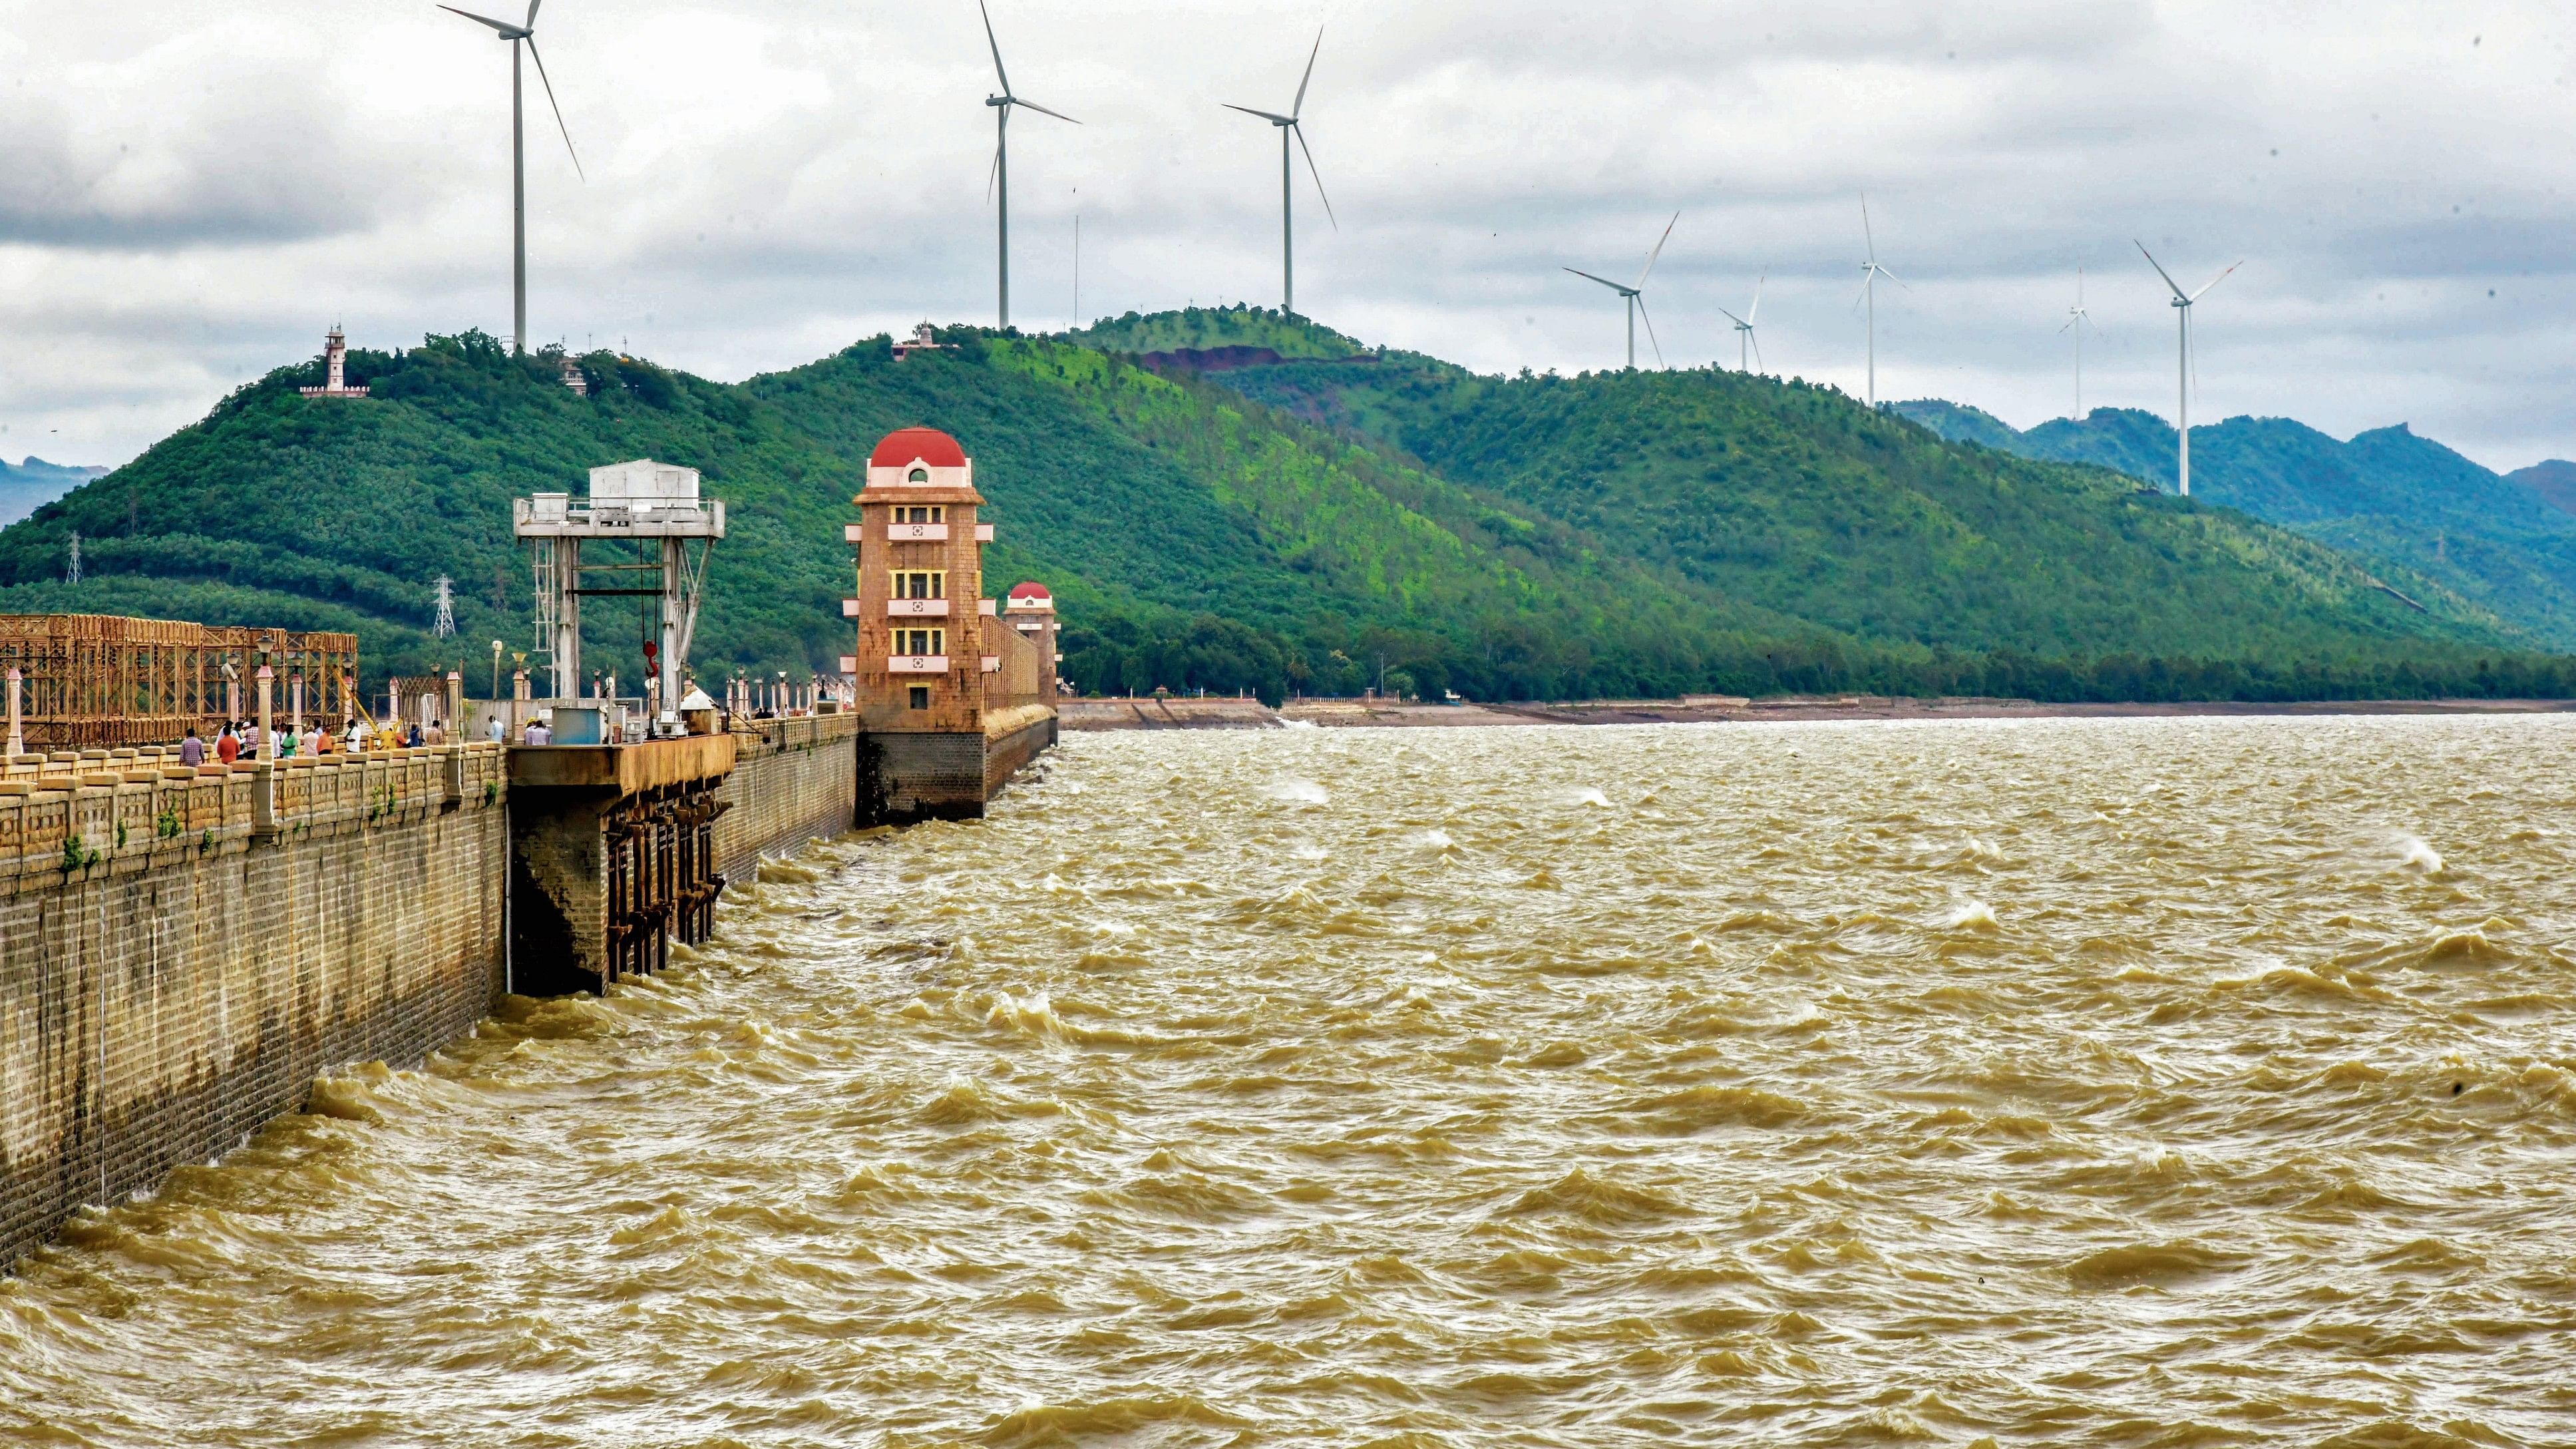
(240, 740)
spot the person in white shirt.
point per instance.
(500, 730)
(357, 736)
(538, 734)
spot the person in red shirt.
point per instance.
(228, 748)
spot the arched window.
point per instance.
(919, 475)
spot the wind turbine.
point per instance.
(2077, 319)
(516, 34)
(1001, 176)
(1871, 271)
(2182, 364)
(1744, 337)
(1636, 296)
(1288, 125)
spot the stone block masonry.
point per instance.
(794, 780)
(183, 951)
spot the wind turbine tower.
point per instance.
(1744, 338)
(1871, 271)
(524, 33)
(1635, 296)
(1000, 184)
(1292, 124)
(2183, 369)
(2077, 319)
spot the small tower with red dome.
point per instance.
(1030, 609)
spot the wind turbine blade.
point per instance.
(1043, 111)
(1659, 249)
(1863, 294)
(1299, 130)
(2160, 268)
(1865, 233)
(1756, 339)
(532, 13)
(2069, 323)
(1650, 329)
(1891, 276)
(558, 110)
(1299, 109)
(2214, 281)
(1265, 115)
(993, 175)
(1757, 301)
(503, 26)
(1605, 281)
(989, 39)
(1738, 321)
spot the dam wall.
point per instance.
(793, 780)
(182, 951)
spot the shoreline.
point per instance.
(1093, 715)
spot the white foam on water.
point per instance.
(1585, 795)
(1298, 792)
(2415, 855)
(1973, 916)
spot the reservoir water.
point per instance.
(2158, 1082)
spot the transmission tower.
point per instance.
(72, 575)
(445, 626)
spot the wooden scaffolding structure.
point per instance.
(99, 681)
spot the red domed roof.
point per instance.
(1029, 591)
(929, 445)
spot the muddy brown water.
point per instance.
(2160, 1082)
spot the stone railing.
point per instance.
(67, 817)
(757, 738)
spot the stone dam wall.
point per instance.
(183, 951)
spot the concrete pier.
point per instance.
(612, 857)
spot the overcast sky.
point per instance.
(190, 193)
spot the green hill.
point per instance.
(2417, 513)
(1296, 525)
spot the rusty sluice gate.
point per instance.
(662, 880)
(613, 854)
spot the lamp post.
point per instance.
(496, 669)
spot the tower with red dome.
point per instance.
(925, 667)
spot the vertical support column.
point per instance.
(17, 732)
(567, 640)
(295, 705)
(267, 731)
(668, 715)
(455, 704)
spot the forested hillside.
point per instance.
(1301, 526)
(2419, 514)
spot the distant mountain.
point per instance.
(2416, 513)
(2554, 481)
(26, 487)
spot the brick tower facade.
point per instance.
(921, 663)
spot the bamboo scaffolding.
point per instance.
(100, 681)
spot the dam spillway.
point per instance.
(183, 950)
